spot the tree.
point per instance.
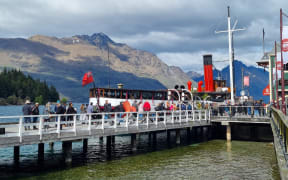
(12, 99)
(39, 99)
(14, 83)
(64, 100)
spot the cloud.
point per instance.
(177, 31)
(194, 61)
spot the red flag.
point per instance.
(87, 78)
(266, 91)
(246, 80)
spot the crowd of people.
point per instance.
(28, 110)
(251, 108)
(62, 108)
(254, 108)
(31, 110)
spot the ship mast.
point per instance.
(231, 57)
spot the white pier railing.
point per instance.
(60, 123)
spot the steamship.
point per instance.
(213, 90)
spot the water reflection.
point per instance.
(229, 153)
(216, 159)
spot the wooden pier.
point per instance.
(70, 127)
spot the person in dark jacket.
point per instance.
(107, 106)
(60, 110)
(107, 109)
(27, 112)
(35, 111)
(70, 110)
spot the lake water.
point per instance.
(214, 159)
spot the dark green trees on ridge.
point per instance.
(15, 87)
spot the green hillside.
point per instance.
(16, 87)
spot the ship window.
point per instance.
(165, 95)
(123, 94)
(96, 92)
(134, 95)
(105, 93)
(91, 94)
(159, 96)
(118, 94)
(147, 95)
(112, 93)
(174, 96)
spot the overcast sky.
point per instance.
(178, 31)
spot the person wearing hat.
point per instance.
(27, 112)
(57, 105)
(35, 111)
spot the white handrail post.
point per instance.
(89, 124)
(187, 115)
(103, 116)
(156, 122)
(172, 117)
(205, 115)
(115, 120)
(200, 114)
(20, 129)
(127, 119)
(74, 128)
(58, 125)
(180, 117)
(193, 115)
(165, 118)
(209, 115)
(40, 127)
(147, 120)
(137, 120)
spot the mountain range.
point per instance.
(63, 62)
(258, 79)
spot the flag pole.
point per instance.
(277, 82)
(271, 63)
(282, 67)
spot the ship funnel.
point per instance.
(208, 73)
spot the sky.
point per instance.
(179, 32)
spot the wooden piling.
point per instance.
(40, 152)
(16, 154)
(67, 151)
(85, 145)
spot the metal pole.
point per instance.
(242, 70)
(271, 63)
(277, 82)
(230, 58)
(282, 67)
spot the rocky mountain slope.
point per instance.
(193, 75)
(63, 61)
